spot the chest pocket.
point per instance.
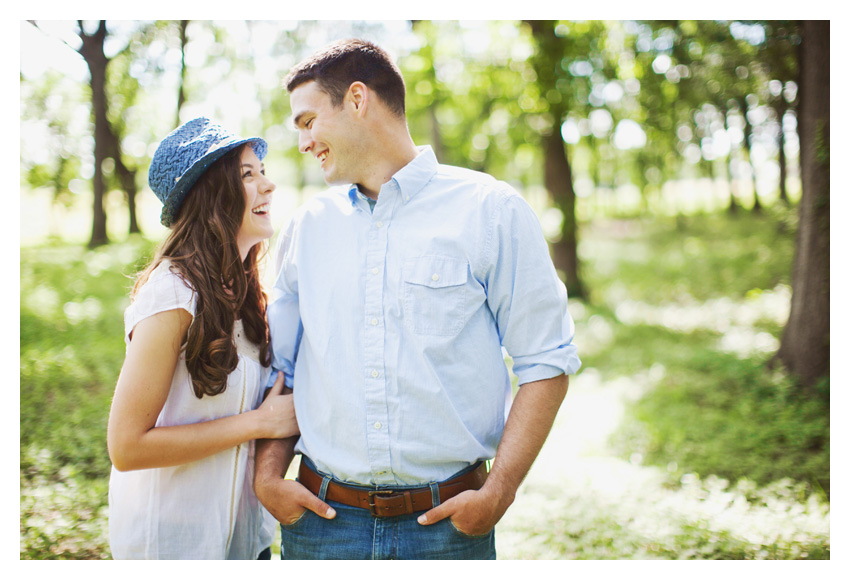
(435, 295)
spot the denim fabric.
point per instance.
(354, 534)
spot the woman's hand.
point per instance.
(134, 440)
(276, 416)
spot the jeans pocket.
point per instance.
(300, 519)
(469, 536)
(435, 294)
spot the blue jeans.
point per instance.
(354, 534)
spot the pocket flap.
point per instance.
(436, 272)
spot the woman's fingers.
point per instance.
(277, 388)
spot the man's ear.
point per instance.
(358, 97)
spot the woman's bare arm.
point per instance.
(133, 440)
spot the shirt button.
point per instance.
(435, 277)
(374, 374)
(374, 270)
(374, 322)
(377, 425)
(380, 224)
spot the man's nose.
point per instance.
(305, 141)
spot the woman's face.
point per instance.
(256, 223)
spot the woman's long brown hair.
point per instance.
(202, 249)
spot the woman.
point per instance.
(188, 403)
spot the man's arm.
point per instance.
(529, 423)
(286, 499)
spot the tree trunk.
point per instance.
(557, 174)
(126, 176)
(128, 184)
(427, 51)
(181, 92)
(805, 342)
(733, 186)
(783, 162)
(92, 51)
(436, 135)
(559, 183)
(733, 181)
(748, 137)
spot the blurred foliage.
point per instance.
(689, 297)
(63, 514)
(706, 411)
(72, 304)
(53, 118)
(639, 103)
(719, 415)
(711, 411)
(697, 520)
(693, 258)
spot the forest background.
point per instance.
(680, 170)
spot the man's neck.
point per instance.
(394, 157)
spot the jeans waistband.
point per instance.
(364, 486)
(389, 501)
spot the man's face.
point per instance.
(326, 132)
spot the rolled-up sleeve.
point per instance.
(525, 295)
(283, 313)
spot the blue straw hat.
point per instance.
(185, 154)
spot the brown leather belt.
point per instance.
(383, 503)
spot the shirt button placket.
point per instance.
(376, 399)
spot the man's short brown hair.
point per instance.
(338, 65)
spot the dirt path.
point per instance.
(575, 465)
(581, 502)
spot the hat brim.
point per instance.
(172, 205)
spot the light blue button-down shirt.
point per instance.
(389, 323)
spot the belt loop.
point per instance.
(435, 494)
(323, 490)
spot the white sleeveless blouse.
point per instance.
(200, 510)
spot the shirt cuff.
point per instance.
(563, 361)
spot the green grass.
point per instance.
(72, 303)
(731, 418)
(697, 257)
(713, 412)
(699, 520)
(723, 428)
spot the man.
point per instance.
(396, 293)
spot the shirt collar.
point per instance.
(416, 174)
(412, 177)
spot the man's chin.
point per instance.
(331, 179)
